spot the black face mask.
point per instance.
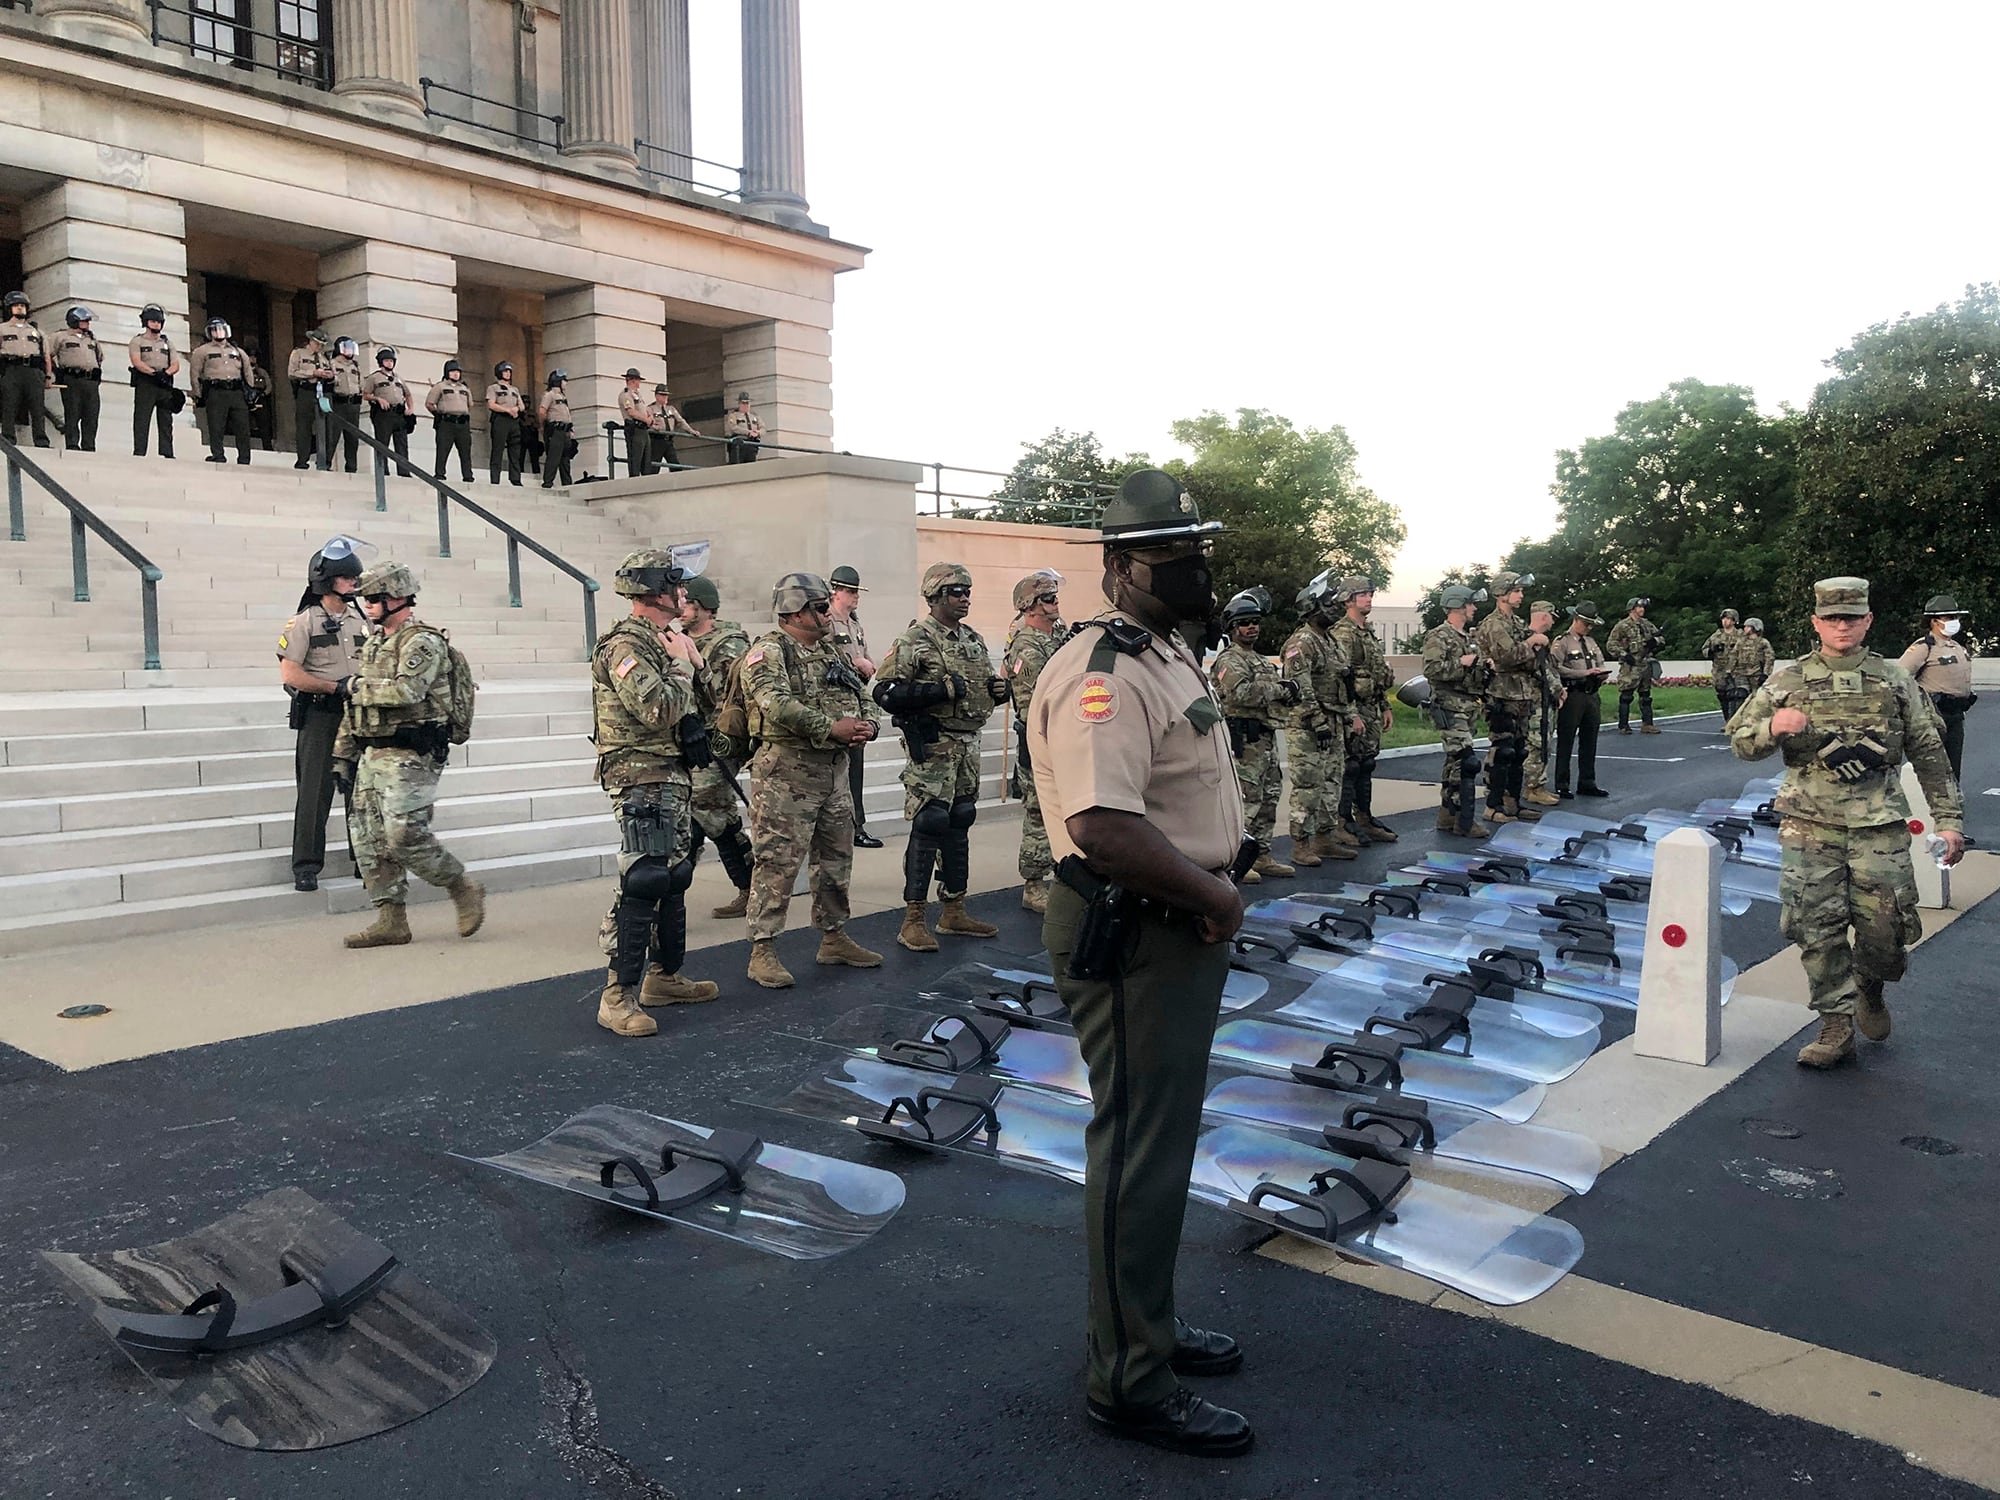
(1185, 587)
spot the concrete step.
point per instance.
(157, 706)
(111, 678)
(154, 744)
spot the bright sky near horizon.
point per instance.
(1469, 234)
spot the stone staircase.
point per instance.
(136, 801)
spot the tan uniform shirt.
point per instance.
(555, 406)
(632, 406)
(153, 350)
(325, 645)
(848, 635)
(1144, 736)
(1941, 664)
(747, 424)
(1577, 659)
(449, 398)
(308, 365)
(346, 376)
(22, 341)
(385, 390)
(501, 396)
(218, 360)
(77, 350)
(664, 416)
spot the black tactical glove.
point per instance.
(959, 690)
(1290, 690)
(343, 777)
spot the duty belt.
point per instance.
(18, 359)
(67, 373)
(452, 416)
(222, 385)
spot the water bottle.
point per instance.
(1939, 851)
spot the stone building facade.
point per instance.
(485, 180)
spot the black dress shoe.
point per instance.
(1592, 791)
(1565, 794)
(863, 839)
(1200, 1351)
(305, 882)
(1183, 1423)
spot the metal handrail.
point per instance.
(516, 538)
(430, 84)
(322, 51)
(82, 518)
(640, 148)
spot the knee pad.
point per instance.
(963, 811)
(1469, 763)
(933, 819)
(653, 877)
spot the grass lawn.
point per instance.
(1413, 727)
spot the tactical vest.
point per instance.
(962, 651)
(1856, 707)
(382, 660)
(631, 752)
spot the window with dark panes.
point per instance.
(305, 31)
(216, 31)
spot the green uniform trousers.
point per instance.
(454, 436)
(228, 415)
(503, 439)
(1317, 773)
(80, 405)
(1848, 898)
(152, 406)
(1145, 1037)
(21, 388)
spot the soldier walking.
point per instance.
(1845, 720)
(1634, 643)
(1579, 662)
(1505, 641)
(395, 736)
(154, 366)
(1941, 663)
(1313, 659)
(1254, 698)
(715, 800)
(1033, 640)
(939, 686)
(1719, 649)
(79, 370)
(807, 708)
(1369, 682)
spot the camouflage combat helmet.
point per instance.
(943, 575)
(1356, 583)
(1150, 509)
(1753, 623)
(1543, 607)
(1730, 614)
(1320, 592)
(1028, 590)
(1458, 595)
(703, 592)
(389, 580)
(1251, 604)
(1505, 583)
(1637, 601)
(646, 572)
(796, 591)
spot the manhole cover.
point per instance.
(78, 1012)
(1931, 1145)
(1786, 1181)
(1778, 1129)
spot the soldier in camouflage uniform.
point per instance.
(395, 735)
(1845, 720)
(1369, 682)
(939, 686)
(642, 690)
(1542, 720)
(1254, 698)
(1312, 658)
(1755, 660)
(1717, 650)
(1505, 640)
(1635, 643)
(1033, 640)
(716, 805)
(1457, 675)
(807, 708)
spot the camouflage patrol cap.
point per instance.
(1152, 508)
(1840, 598)
(649, 571)
(1029, 589)
(391, 579)
(1942, 606)
(1542, 607)
(797, 590)
(1583, 609)
(1730, 614)
(702, 591)
(943, 575)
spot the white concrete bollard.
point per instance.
(1680, 988)
(1933, 884)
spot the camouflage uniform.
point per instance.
(1318, 745)
(800, 807)
(1368, 683)
(1743, 666)
(1844, 834)
(1254, 699)
(1717, 651)
(716, 808)
(1635, 644)
(1455, 694)
(1502, 639)
(1028, 651)
(1542, 715)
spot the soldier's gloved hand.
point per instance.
(345, 687)
(960, 691)
(1323, 738)
(1470, 658)
(343, 776)
(997, 686)
(1290, 690)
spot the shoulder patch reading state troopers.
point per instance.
(624, 668)
(1097, 700)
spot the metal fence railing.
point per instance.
(665, 165)
(520, 124)
(215, 32)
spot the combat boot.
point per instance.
(1473, 830)
(955, 919)
(914, 935)
(1267, 865)
(1378, 831)
(618, 1011)
(1332, 848)
(1541, 797)
(837, 947)
(1833, 1045)
(1519, 813)
(1499, 815)
(765, 968)
(1649, 729)
(1035, 896)
(469, 896)
(1305, 853)
(662, 988)
(1342, 835)
(738, 907)
(1251, 877)
(1872, 1020)
(1447, 820)
(390, 929)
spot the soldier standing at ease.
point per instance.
(939, 685)
(715, 803)
(450, 404)
(1368, 683)
(220, 374)
(1505, 640)
(1580, 662)
(1457, 675)
(633, 412)
(1941, 663)
(557, 426)
(642, 687)
(503, 425)
(394, 738)
(745, 430)
(344, 396)
(844, 630)
(1033, 640)
(319, 654)
(154, 366)
(1133, 769)
(807, 709)
(24, 371)
(1718, 649)
(1548, 705)
(389, 408)
(1254, 698)
(1313, 659)
(1634, 643)
(664, 419)
(79, 367)
(1757, 660)
(310, 371)
(1845, 720)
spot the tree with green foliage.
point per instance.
(1060, 480)
(1900, 471)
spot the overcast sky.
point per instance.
(1469, 234)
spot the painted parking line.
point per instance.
(1655, 760)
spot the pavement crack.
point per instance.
(576, 1432)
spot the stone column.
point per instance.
(596, 333)
(648, 46)
(787, 369)
(97, 20)
(114, 251)
(677, 107)
(597, 82)
(377, 293)
(774, 131)
(375, 53)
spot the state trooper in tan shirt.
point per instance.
(154, 366)
(24, 371)
(504, 406)
(389, 407)
(558, 427)
(634, 411)
(310, 371)
(79, 366)
(220, 374)
(450, 404)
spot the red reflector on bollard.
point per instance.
(1673, 935)
(1916, 825)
